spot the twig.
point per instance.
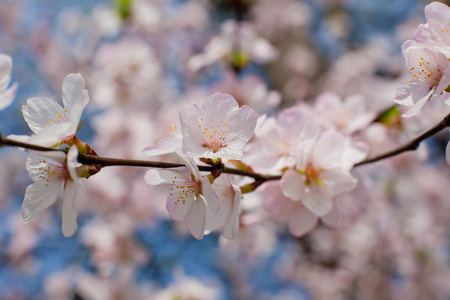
(107, 161)
(411, 145)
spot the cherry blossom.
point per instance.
(52, 172)
(219, 129)
(321, 172)
(435, 34)
(6, 94)
(227, 218)
(430, 73)
(189, 193)
(58, 124)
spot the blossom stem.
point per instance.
(107, 161)
(411, 145)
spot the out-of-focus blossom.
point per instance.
(237, 43)
(321, 172)
(48, 119)
(187, 196)
(346, 116)
(6, 94)
(251, 91)
(52, 172)
(219, 129)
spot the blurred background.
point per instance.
(142, 61)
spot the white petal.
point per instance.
(318, 203)
(39, 196)
(5, 70)
(328, 149)
(292, 184)
(168, 176)
(7, 96)
(164, 146)
(416, 108)
(69, 211)
(231, 227)
(336, 181)
(35, 162)
(39, 112)
(52, 135)
(195, 218)
(72, 164)
(210, 195)
(72, 90)
(301, 221)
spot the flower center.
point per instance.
(311, 175)
(214, 134)
(60, 118)
(185, 190)
(426, 72)
(51, 172)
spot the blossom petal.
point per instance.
(231, 227)
(195, 218)
(415, 109)
(72, 164)
(292, 185)
(36, 161)
(164, 146)
(69, 211)
(318, 203)
(38, 197)
(328, 149)
(7, 96)
(5, 71)
(337, 181)
(168, 176)
(72, 90)
(210, 195)
(301, 221)
(41, 112)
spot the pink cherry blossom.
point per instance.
(219, 129)
(6, 94)
(44, 116)
(435, 34)
(321, 172)
(189, 193)
(430, 73)
(52, 172)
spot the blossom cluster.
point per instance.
(290, 94)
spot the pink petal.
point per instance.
(318, 203)
(167, 176)
(301, 221)
(293, 184)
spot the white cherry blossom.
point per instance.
(6, 94)
(219, 129)
(52, 172)
(188, 195)
(44, 115)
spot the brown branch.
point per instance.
(107, 161)
(411, 145)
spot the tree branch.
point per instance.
(107, 161)
(411, 145)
